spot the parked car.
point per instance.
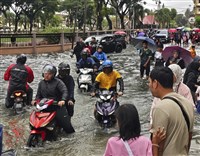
(110, 42)
(163, 35)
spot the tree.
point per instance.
(163, 17)
(99, 7)
(15, 6)
(122, 8)
(31, 8)
(173, 13)
(181, 20)
(197, 21)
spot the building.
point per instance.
(197, 7)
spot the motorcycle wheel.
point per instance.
(35, 140)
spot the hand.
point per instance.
(159, 136)
(120, 93)
(61, 103)
(33, 102)
(92, 94)
(70, 103)
(145, 65)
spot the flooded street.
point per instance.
(88, 140)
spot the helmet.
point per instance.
(107, 64)
(84, 54)
(21, 59)
(49, 68)
(100, 47)
(63, 69)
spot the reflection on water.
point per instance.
(89, 139)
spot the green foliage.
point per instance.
(181, 20)
(197, 21)
(51, 29)
(56, 21)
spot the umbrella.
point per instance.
(138, 41)
(120, 32)
(179, 28)
(172, 30)
(187, 29)
(196, 29)
(184, 54)
(141, 34)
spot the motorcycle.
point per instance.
(106, 106)
(19, 97)
(42, 123)
(85, 79)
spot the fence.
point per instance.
(42, 43)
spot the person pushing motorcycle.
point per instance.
(64, 75)
(19, 75)
(53, 88)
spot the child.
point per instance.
(159, 61)
(130, 141)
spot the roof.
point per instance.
(149, 20)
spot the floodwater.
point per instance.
(89, 139)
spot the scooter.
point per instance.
(106, 106)
(19, 97)
(42, 123)
(85, 79)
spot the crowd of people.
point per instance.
(172, 111)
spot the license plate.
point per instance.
(18, 105)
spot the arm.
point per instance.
(30, 74)
(121, 84)
(95, 86)
(191, 80)
(38, 94)
(160, 119)
(105, 57)
(150, 55)
(63, 90)
(71, 89)
(7, 72)
(189, 141)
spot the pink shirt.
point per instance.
(140, 147)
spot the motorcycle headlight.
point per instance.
(108, 97)
(102, 97)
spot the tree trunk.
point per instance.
(31, 24)
(122, 21)
(99, 14)
(17, 18)
(109, 22)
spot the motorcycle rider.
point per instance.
(107, 80)
(64, 75)
(85, 61)
(99, 54)
(53, 88)
(19, 75)
(93, 44)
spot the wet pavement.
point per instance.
(88, 139)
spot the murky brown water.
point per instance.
(88, 139)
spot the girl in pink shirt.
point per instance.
(130, 142)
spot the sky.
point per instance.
(179, 5)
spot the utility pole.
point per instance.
(84, 18)
(74, 30)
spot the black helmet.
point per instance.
(21, 59)
(63, 69)
(49, 68)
